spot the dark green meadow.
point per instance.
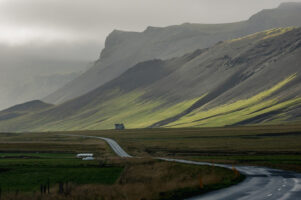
(27, 171)
(28, 160)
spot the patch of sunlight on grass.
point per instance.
(104, 113)
(164, 112)
(232, 113)
(277, 31)
(129, 109)
(248, 113)
(267, 34)
(141, 114)
(136, 112)
(251, 36)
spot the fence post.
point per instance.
(61, 188)
(201, 183)
(236, 172)
(67, 189)
(41, 189)
(48, 185)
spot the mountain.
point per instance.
(124, 49)
(248, 80)
(23, 109)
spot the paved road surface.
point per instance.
(261, 183)
(114, 145)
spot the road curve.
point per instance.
(115, 147)
(112, 143)
(261, 183)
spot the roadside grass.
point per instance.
(142, 179)
(286, 162)
(276, 159)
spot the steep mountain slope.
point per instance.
(125, 49)
(254, 79)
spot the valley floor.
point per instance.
(53, 152)
(43, 166)
(276, 146)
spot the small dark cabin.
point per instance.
(119, 127)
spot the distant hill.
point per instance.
(23, 109)
(123, 49)
(254, 79)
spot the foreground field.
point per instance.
(24, 174)
(31, 161)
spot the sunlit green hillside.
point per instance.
(250, 80)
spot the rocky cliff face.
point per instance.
(123, 49)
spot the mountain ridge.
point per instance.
(124, 49)
(253, 79)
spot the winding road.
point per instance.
(261, 183)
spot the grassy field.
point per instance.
(119, 179)
(32, 158)
(27, 171)
(29, 160)
(229, 140)
(50, 143)
(276, 146)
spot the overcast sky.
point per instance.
(46, 37)
(42, 21)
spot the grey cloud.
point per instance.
(95, 18)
